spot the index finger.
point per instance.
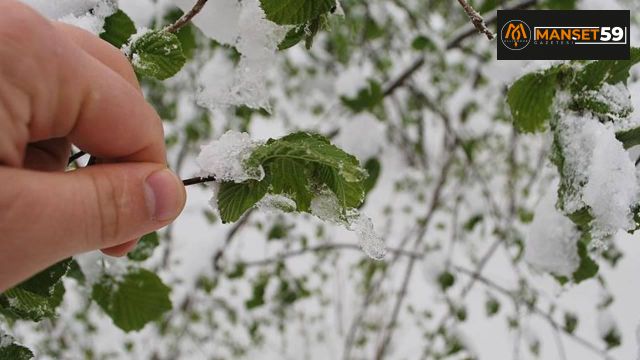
(72, 94)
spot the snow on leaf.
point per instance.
(552, 241)
(156, 54)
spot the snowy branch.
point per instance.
(476, 19)
(186, 17)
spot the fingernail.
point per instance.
(164, 194)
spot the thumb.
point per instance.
(47, 217)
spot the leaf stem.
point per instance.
(186, 17)
(198, 180)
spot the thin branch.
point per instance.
(454, 43)
(186, 17)
(198, 180)
(75, 157)
(476, 19)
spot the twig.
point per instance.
(75, 157)
(186, 17)
(476, 19)
(198, 180)
(454, 43)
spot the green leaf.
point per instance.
(594, 74)
(133, 301)
(45, 281)
(293, 37)
(446, 280)
(145, 247)
(289, 177)
(492, 306)
(157, 54)
(13, 351)
(349, 194)
(18, 303)
(422, 42)
(366, 99)
(118, 28)
(373, 168)
(259, 288)
(234, 199)
(295, 12)
(570, 322)
(587, 268)
(629, 138)
(530, 99)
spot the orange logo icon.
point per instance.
(515, 35)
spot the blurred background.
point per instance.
(418, 96)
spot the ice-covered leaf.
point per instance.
(156, 54)
(294, 12)
(133, 300)
(530, 99)
(594, 74)
(290, 176)
(118, 28)
(145, 247)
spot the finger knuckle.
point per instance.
(111, 199)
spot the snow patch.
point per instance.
(85, 14)
(552, 241)
(224, 158)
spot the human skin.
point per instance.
(60, 85)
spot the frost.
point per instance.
(612, 189)
(326, 207)
(618, 101)
(86, 14)
(224, 158)
(552, 241)
(275, 203)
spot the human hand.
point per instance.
(60, 85)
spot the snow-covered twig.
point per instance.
(186, 17)
(476, 19)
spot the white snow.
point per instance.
(243, 25)
(606, 323)
(617, 97)
(326, 207)
(86, 14)
(276, 203)
(612, 188)
(597, 169)
(369, 240)
(5, 339)
(552, 241)
(224, 158)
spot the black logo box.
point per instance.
(533, 18)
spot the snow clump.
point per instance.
(224, 158)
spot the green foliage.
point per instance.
(38, 297)
(118, 28)
(446, 280)
(570, 322)
(612, 338)
(295, 12)
(366, 99)
(13, 351)
(492, 306)
(373, 168)
(594, 74)
(134, 300)
(530, 100)
(157, 54)
(297, 165)
(259, 288)
(145, 247)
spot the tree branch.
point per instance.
(476, 19)
(454, 43)
(186, 17)
(198, 180)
